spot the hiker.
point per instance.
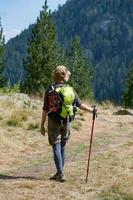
(60, 116)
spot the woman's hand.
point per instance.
(42, 130)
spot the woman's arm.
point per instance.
(85, 107)
(43, 120)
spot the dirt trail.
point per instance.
(26, 160)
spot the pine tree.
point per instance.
(2, 81)
(81, 71)
(42, 53)
(128, 95)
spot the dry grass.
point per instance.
(76, 125)
(107, 105)
(17, 117)
(1, 117)
(26, 158)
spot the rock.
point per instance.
(123, 112)
(20, 100)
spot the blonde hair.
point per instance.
(61, 74)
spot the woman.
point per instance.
(58, 133)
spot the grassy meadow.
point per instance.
(26, 158)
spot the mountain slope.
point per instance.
(106, 34)
(15, 53)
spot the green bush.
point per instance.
(11, 89)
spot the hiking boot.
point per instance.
(58, 177)
(54, 177)
(61, 178)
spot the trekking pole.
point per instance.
(92, 129)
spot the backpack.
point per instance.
(61, 103)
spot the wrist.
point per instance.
(90, 109)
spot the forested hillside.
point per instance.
(105, 29)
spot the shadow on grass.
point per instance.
(8, 177)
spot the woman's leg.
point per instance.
(58, 157)
(63, 153)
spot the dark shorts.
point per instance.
(57, 132)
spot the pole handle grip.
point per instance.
(94, 112)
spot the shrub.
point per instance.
(33, 126)
(13, 121)
(17, 118)
(11, 89)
